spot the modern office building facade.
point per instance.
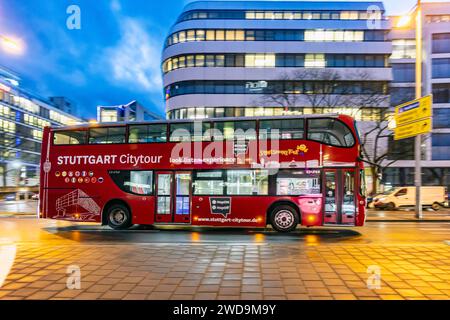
(132, 111)
(251, 58)
(22, 118)
(436, 81)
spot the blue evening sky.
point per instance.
(113, 59)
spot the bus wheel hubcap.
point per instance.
(284, 219)
(118, 216)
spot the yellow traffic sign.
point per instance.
(413, 111)
(412, 129)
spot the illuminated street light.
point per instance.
(11, 45)
(404, 21)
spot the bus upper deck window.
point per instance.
(69, 137)
(107, 135)
(190, 131)
(148, 133)
(281, 129)
(330, 131)
(235, 130)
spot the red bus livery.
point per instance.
(231, 172)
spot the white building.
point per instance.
(436, 81)
(23, 115)
(132, 111)
(251, 58)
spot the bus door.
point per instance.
(339, 196)
(173, 197)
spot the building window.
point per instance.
(274, 87)
(401, 95)
(441, 93)
(318, 35)
(270, 60)
(441, 43)
(279, 15)
(360, 114)
(403, 49)
(400, 149)
(108, 115)
(330, 35)
(441, 146)
(438, 18)
(441, 68)
(404, 72)
(441, 118)
(260, 60)
(315, 60)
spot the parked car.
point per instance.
(405, 197)
(35, 196)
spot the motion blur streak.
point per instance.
(7, 256)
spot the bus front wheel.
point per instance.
(284, 218)
(119, 217)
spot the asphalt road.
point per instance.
(30, 229)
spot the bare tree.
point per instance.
(326, 89)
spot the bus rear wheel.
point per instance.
(119, 217)
(284, 218)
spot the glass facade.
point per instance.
(404, 72)
(441, 118)
(275, 35)
(279, 15)
(441, 68)
(271, 60)
(441, 146)
(22, 119)
(360, 114)
(276, 87)
(441, 43)
(400, 95)
(403, 49)
(400, 177)
(441, 93)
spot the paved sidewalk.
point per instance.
(265, 271)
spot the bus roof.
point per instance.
(118, 124)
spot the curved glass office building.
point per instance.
(251, 58)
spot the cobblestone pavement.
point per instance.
(414, 263)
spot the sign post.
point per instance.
(412, 119)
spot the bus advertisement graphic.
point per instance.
(77, 205)
(220, 205)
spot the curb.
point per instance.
(411, 220)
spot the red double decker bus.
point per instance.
(230, 172)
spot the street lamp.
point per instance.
(404, 21)
(11, 45)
